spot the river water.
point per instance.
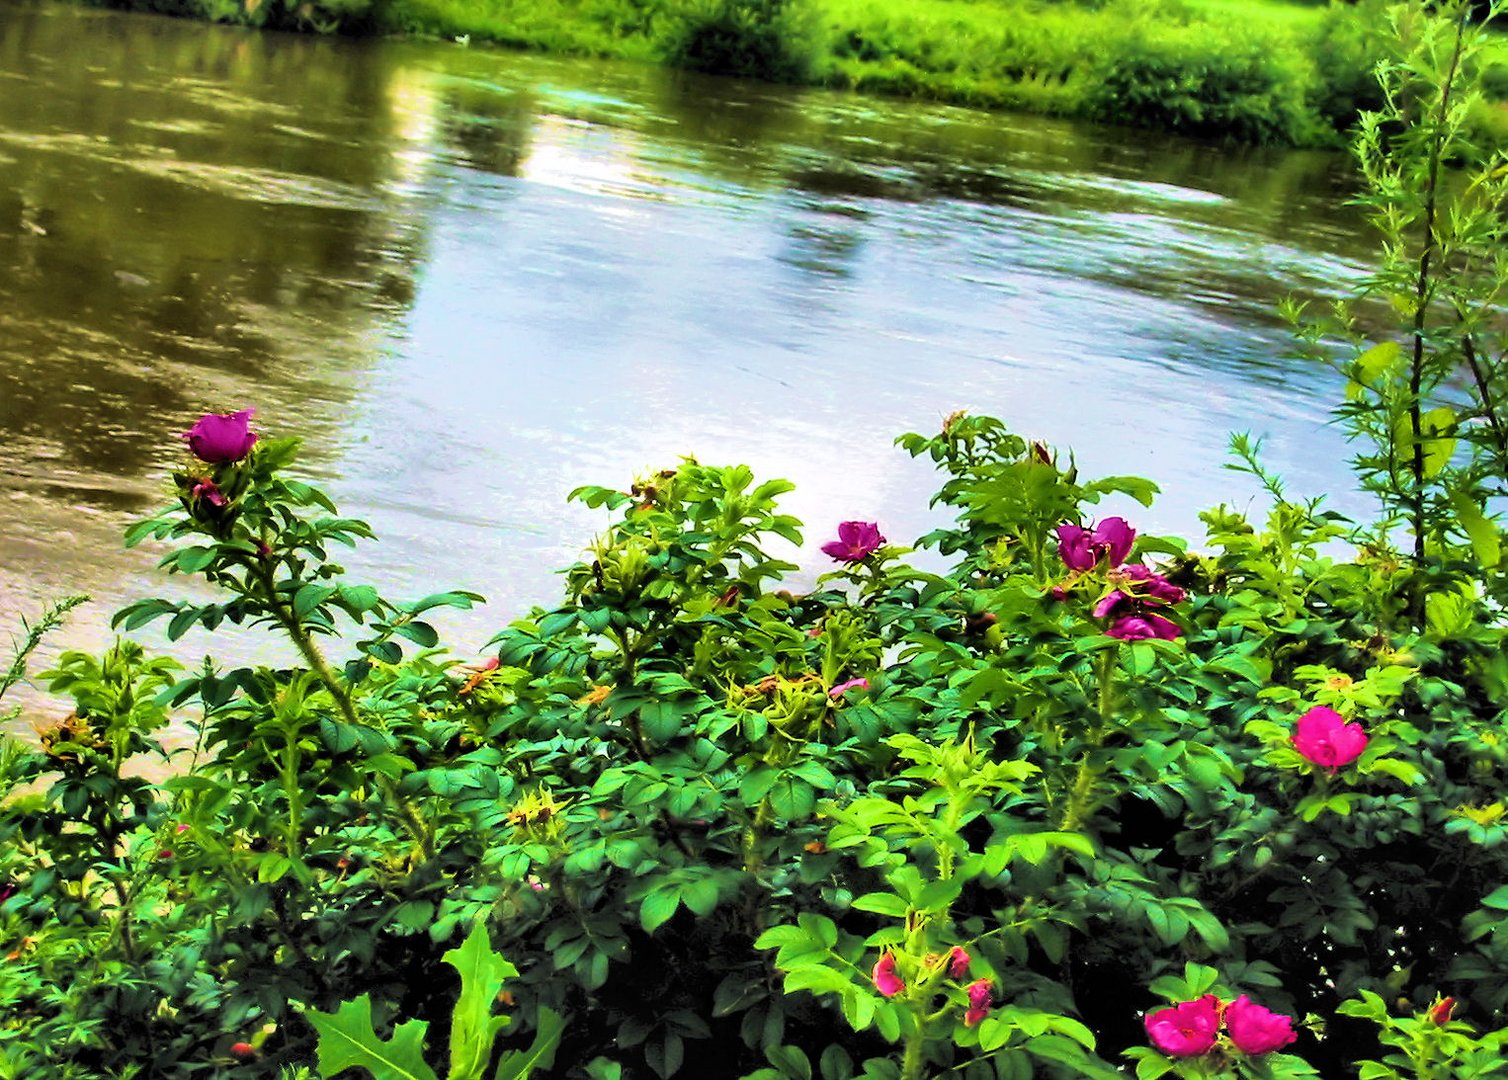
(472, 280)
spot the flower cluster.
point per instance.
(980, 992)
(1193, 1028)
(1136, 594)
(1323, 737)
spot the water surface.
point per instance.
(473, 280)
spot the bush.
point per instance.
(1201, 80)
(774, 40)
(1083, 796)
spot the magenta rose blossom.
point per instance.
(1075, 548)
(1132, 605)
(1185, 1030)
(958, 962)
(1144, 627)
(1323, 736)
(219, 438)
(1081, 549)
(857, 540)
(980, 994)
(886, 981)
(1256, 1030)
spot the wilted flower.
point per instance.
(857, 540)
(958, 962)
(1081, 549)
(222, 437)
(980, 993)
(1323, 737)
(886, 981)
(1187, 1029)
(1255, 1030)
(843, 687)
(204, 488)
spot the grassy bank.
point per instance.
(1259, 71)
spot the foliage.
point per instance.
(320, 16)
(967, 823)
(1271, 71)
(764, 39)
(347, 1039)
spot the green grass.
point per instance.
(1222, 68)
(1289, 72)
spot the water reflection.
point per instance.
(473, 280)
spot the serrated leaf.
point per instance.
(519, 1064)
(474, 1029)
(348, 1041)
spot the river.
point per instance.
(472, 280)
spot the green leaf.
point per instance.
(1376, 361)
(1497, 899)
(657, 908)
(310, 597)
(882, 904)
(1485, 539)
(474, 1029)
(519, 1064)
(347, 1041)
(420, 633)
(458, 598)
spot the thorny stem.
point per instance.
(1083, 781)
(1489, 407)
(1421, 303)
(322, 671)
(911, 1063)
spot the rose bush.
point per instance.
(970, 823)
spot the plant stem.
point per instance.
(302, 641)
(1421, 307)
(911, 1062)
(1489, 407)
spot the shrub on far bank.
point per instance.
(777, 40)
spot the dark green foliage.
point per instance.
(906, 824)
(322, 16)
(1224, 83)
(774, 40)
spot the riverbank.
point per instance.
(1275, 72)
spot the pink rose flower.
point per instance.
(219, 438)
(857, 540)
(1185, 1030)
(980, 993)
(1133, 605)
(1256, 1030)
(886, 981)
(1323, 737)
(1144, 627)
(1081, 549)
(958, 962)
